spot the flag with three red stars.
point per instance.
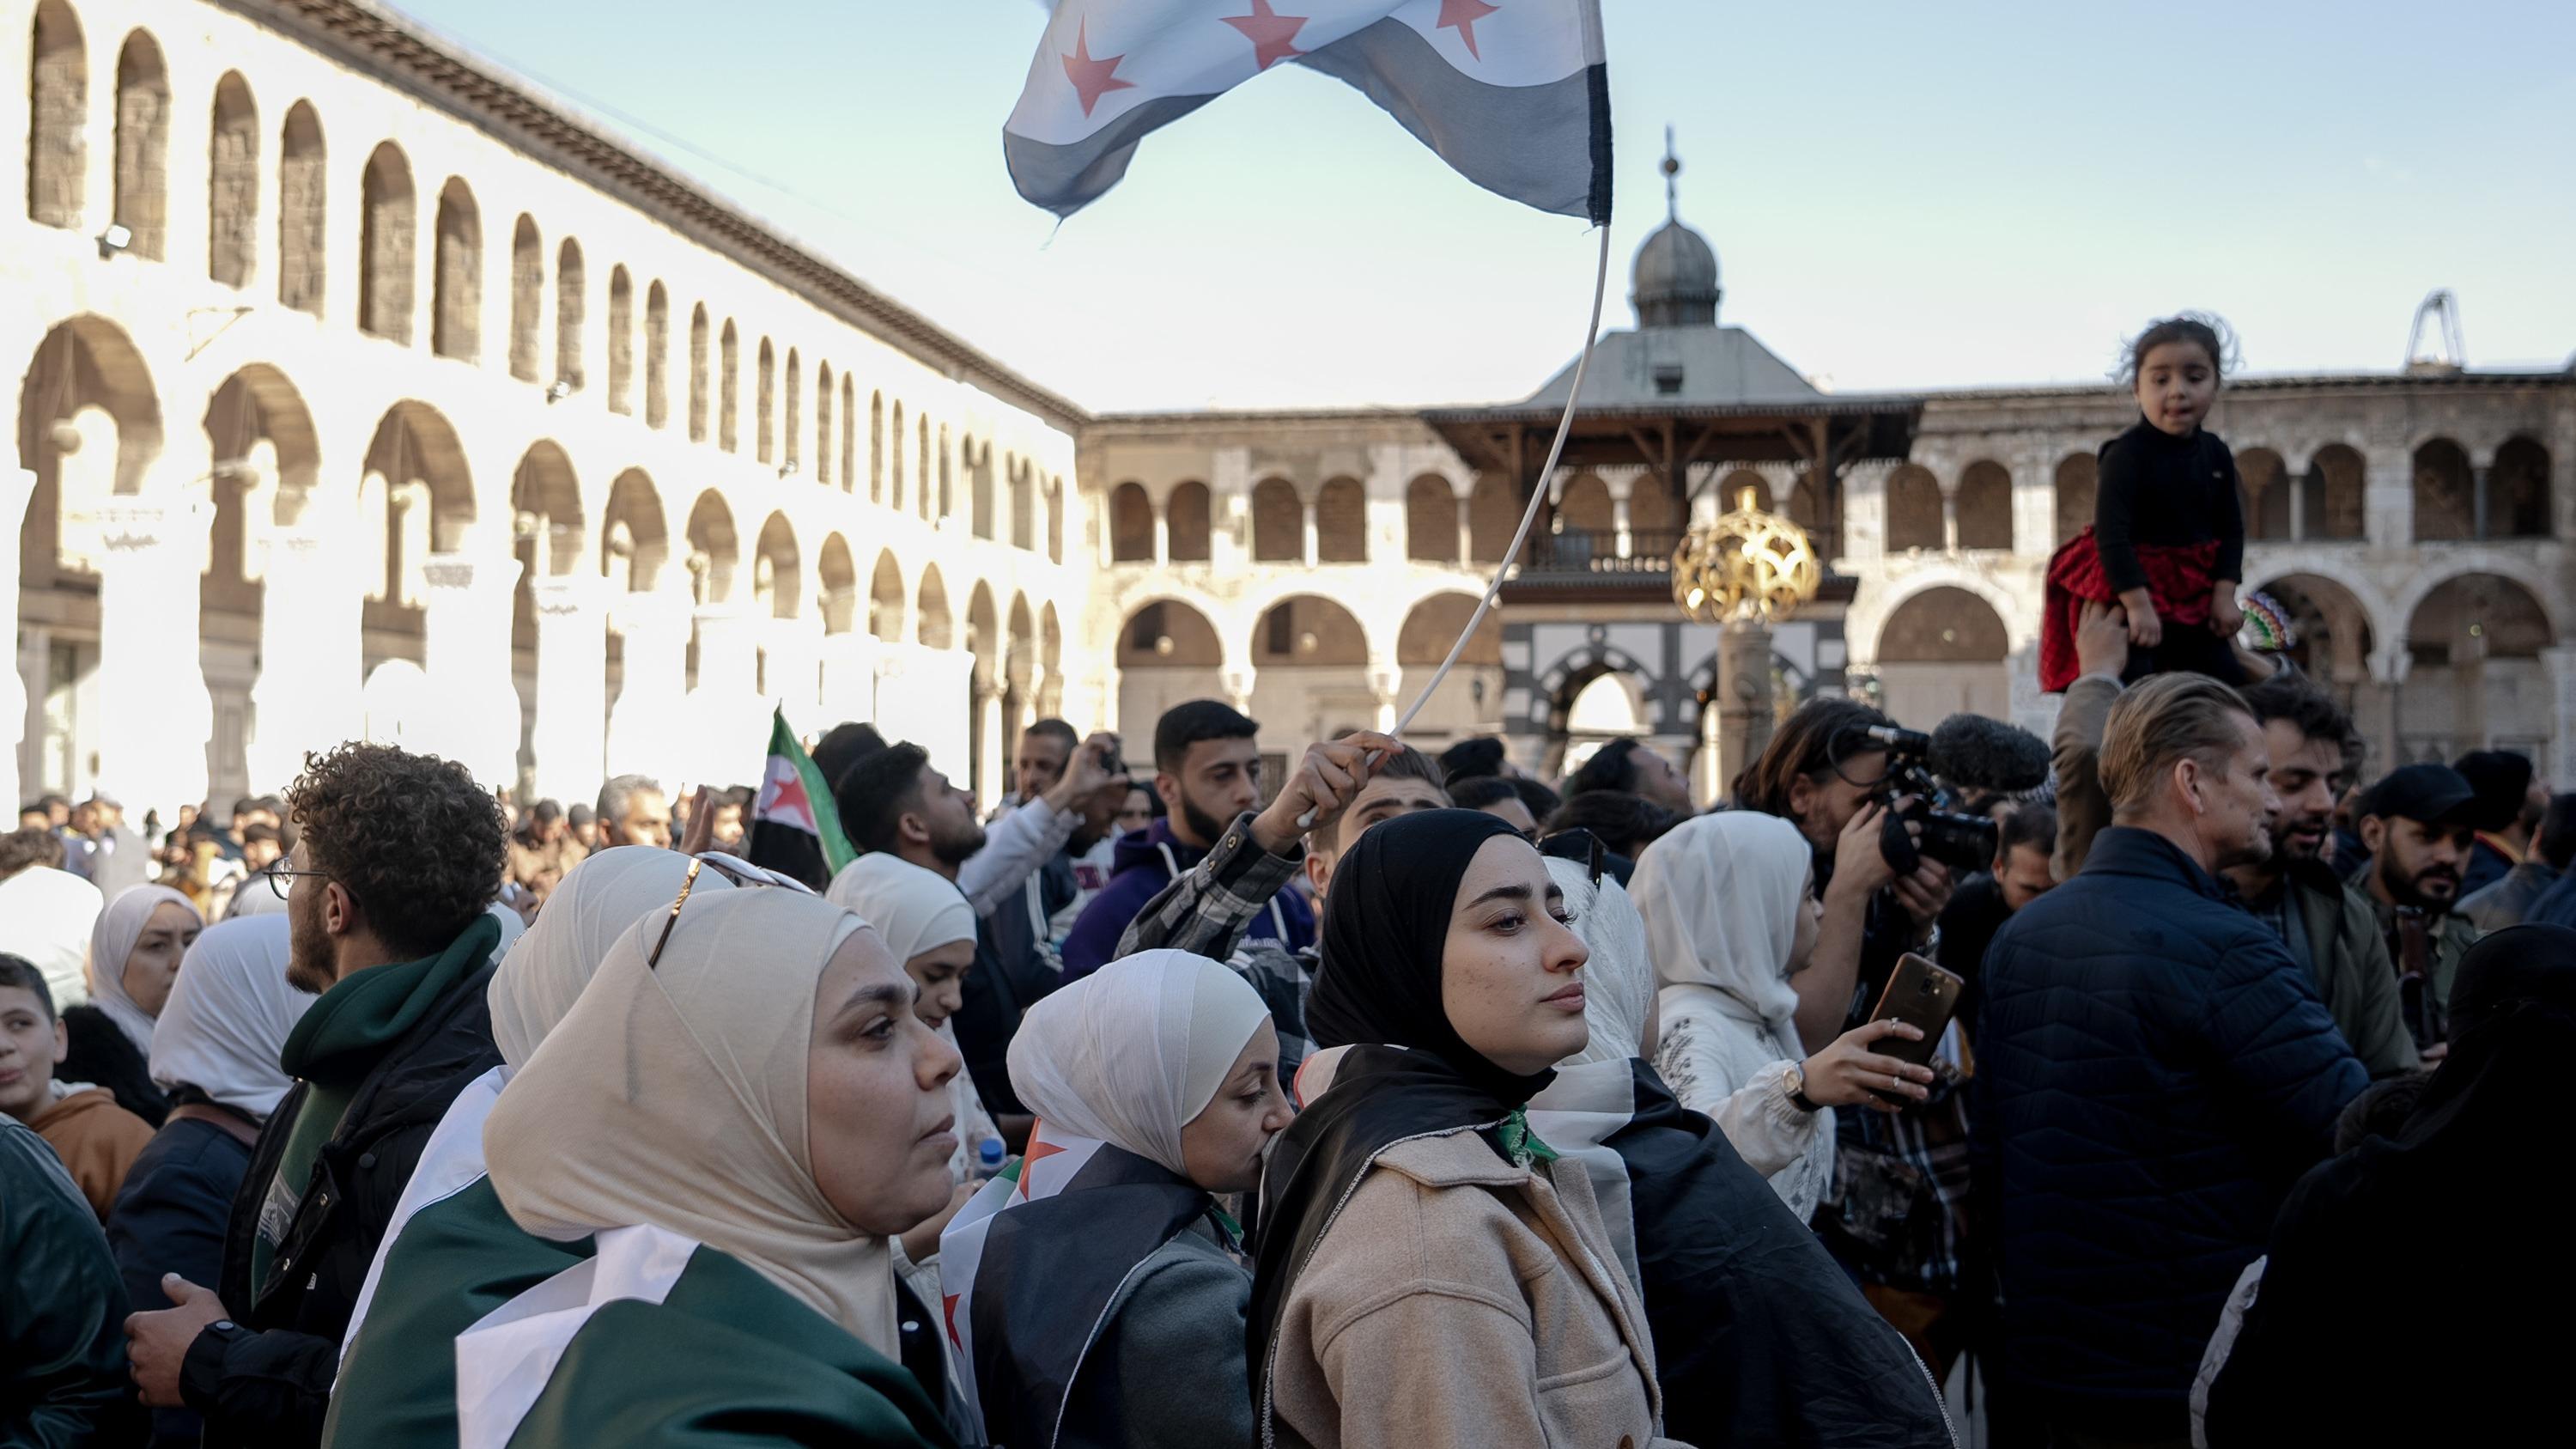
(1512, 93)
(795, 830)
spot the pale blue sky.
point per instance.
(1902, 195)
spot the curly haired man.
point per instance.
(399, 855)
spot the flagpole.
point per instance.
(1529, 515)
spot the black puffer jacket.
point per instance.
(269, 1385)
(2154, 1073)
(62, 1312)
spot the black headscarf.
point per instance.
(2450, 1217)
(1409, 1074)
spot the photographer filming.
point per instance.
(1896, 1216)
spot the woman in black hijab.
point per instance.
(1429, 1272)
(2408, 1281)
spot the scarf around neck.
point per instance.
(345, 1034)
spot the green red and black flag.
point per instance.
(794, 828)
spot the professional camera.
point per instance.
(1961, 842)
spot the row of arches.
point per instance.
(919, 468)
(1304, 631)
(1441, 524)
(2325, 502)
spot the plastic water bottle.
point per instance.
(989, 1157)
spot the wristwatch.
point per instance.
(1797, 1085)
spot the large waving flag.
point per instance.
(1513, 93)
(795, 829)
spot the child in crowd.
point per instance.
(96, 1139)
(2167, 543)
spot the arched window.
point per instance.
(657, 356)
(232, 185)
(1278, 522)
(58, 119)
(729, 390)
(527, 294)
(2445, 494)
(2331, 500)
(1185, 520)
(1341, 522)
(849, 435)
(765, 397)
(388, 240)
(876, 447)
(895, 446)
(143, 146)
(1913, 510)
(572, 313)
(1430, 520)
(1024, 520)
(2077, 477)
(1985, 506)
(302, 240)
(1493, 516)
(1055, 525)
(947, 460)
(1131, 525)
(795, 411)
(698, 373)
(456, 276)
(823, 423)
(2518, 491)
(621, 341)
(979, 494)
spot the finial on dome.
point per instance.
(1673, 282)
(1672, 170)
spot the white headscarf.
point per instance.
(674, 1095)
(916, 910)
(228, 1016)
(1721, 895)
(1132, 1053)
(512, 924)
(545, 970)
(1619, 980)
(111, 940)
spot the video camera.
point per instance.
(1975, 757)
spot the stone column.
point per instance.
(155, 715)
(2559, 770)
(849, 678)
(312, 666)
(473, 702)
(1386, 686)
(1308, 529)
(795, 649)
(1467, 531)
(645, 729)
(725, 708)
(1237, 681)
(17, 485)
(1624, 542)
(984, 732)
(570, 740)
(1743, 702)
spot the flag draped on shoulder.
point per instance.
(795, 830)
(1512, 93)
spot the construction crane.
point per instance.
(2452, 355)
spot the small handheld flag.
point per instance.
(1512, 93)
(795, 829)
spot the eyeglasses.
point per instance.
(281, 876)
(733, 868)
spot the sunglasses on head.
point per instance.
(734, 869)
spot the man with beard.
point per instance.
(1208, 771)
(2329, 927)
(397, 856)
(2420, 825)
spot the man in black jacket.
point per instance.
(398, 857)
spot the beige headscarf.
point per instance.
(675, 1096)
(600, 897)
(916, 910)
(111, 941)
(1721, 895)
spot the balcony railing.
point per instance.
(1593, 557)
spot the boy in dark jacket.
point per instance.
(398, 857)
(62, 1361)
(2154, 1072)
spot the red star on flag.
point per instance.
(950, 1310)
(786, 792)
(1460, 15)
(1092, 79)
(1038, 1152)
(1269, 32)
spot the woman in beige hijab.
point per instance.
(743, 1085)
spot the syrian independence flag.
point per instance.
(1513, 93)
(1030, 1266)
(794, 828)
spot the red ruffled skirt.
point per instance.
(2179, 579)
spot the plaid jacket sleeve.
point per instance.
(1207, 908)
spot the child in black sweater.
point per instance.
(2167, 543)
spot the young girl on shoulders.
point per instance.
(2167, 545)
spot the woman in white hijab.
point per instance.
(741, 1108)
(214, 1050)
(135, 947)
(460, 1255)
(1111, 1309)
(1730, 917)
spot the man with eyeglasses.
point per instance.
(385, 894)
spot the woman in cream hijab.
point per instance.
(741, 1108)
(1109, 1308)
(135, 947)
(1730, 917)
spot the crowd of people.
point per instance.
(1402, 1100)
